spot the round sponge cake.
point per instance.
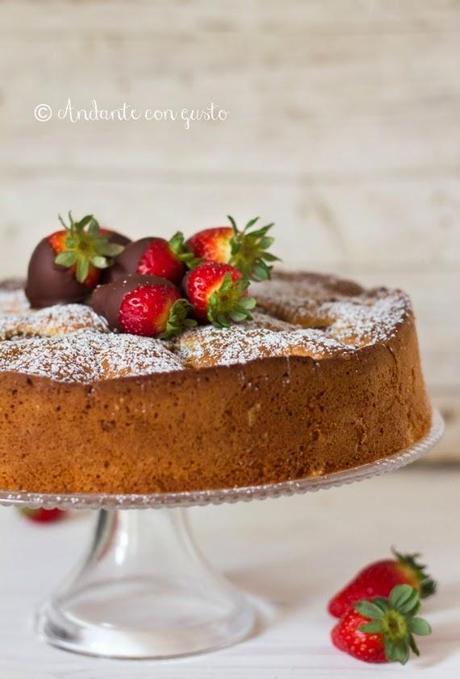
(326, 376)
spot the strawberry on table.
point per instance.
(153, 257)
(66, 265)
(246, 249)
(143, 305)
(42, 515)
(218, 294)
(379, 578)
(382, 630)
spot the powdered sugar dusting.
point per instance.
(298, 297)
(87, 357)
(300, 315)
(55, 320)
(370, 321)
(261, 320)
(208, 346)
(343, 310)
(71, 343)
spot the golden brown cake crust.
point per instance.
(264, 402)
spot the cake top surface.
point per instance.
(298, 314)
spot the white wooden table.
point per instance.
(289, 554)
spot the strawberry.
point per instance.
(143, 305)
(66, 265)
(153, 257)
(42, 515)
(245, 249)
(382, 630)
(379, 578)
(218, 293)
(83, 247)
(213, 244)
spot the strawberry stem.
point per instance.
(395, 620)
(249, 250)
(178, 319)
(180, 249)
(84, 247)
(424, 582)
(230, 303)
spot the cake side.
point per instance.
(262, 421)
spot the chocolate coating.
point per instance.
(128, 260)
(117, 238)
(106, 299)
(49, 283)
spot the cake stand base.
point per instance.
(144, 591)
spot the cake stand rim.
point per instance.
(111, 501)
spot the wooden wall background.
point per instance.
(343, 127)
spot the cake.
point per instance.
(325, 377)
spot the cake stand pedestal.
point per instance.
(144, 590)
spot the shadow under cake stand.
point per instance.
(144, 590)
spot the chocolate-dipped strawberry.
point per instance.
(66, 265)
(143, 305)
(152, 256)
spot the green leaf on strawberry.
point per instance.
(382, 629)
(249, 250)
(179, 248)
(178, 319)
(83, 246)
(394, 620)
(411, 564)
(218, 294)
(228, 303)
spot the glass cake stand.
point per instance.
(144, 590)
